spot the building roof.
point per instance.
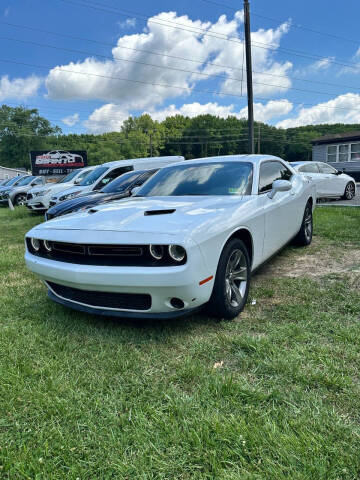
(337, 137)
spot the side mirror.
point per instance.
(279, 186)
(135, 190)
(76, 182)
(339, 172)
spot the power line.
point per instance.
(46, 67)
(165, 67)
(276, 20)
(204, 61)
(266, 46)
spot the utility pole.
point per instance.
(259, 138)
(249, 75)
(151, 145)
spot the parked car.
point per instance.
(10, 183)
(107, 172)
(17, 193)
(38, 199)
(329, 181)
(190, 236)
(119, 188)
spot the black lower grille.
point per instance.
(29, 196)
(122, 301)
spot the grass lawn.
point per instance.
(272, 395)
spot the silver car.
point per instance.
(17, 193)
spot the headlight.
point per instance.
(156, 251)
(43, 192)
(69, 196)
(177, 252)
(47, 246)
(35, 243)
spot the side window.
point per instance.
(112, 175)
(38, 181)
(271, 171)
(326, 168)
(309, 168)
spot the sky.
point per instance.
(89, 64)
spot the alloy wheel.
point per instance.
(20, 200)
(349, 191)
(308, 224)
(236, 278)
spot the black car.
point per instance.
(119, 188)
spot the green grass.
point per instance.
(86, 398)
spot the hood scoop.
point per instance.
(159, 212)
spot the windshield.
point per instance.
(121, 183)
(93, 176)
(11, 181)
(220, 178)
(25, 181)
(69, 177)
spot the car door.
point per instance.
(333, 183)
(282, 212)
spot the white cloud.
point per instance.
(19, 88)
(129, 23)
(110, 117)
(321, 65)
(272, 109)
(71, 120)
(342, 109)
(187, 42)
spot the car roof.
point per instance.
(137, 160)
(255, 159)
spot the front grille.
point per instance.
(52, 203)
(121, 301)
(106, 255)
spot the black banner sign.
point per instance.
(57, 162)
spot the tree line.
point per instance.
(23, 129)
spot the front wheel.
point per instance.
(20, 199)
(349, 193)
(232, 281)
(304, 236)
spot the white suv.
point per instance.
(38, 198)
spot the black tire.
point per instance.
(349, 192)
(304, 236)
(20, 199)
(229, 296)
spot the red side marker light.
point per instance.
(206, 280)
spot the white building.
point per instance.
(6, 172)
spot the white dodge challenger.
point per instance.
(192, 235)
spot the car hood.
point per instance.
(173, 215)
(54, 187)
(73, 188)
(77, 202)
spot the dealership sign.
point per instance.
(57, 162)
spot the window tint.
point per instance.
(122, 183)
(69, 177)
(309, 168)
(326, 168)
(25, 181)
(112, 175)
(93, 176)
(220, 178)
(271, 171)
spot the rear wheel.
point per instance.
(304, 236)
(232, 281)
(20, 199)
(349, 193)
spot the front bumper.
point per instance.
(38, 203)
(161, 283)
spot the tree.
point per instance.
(22, 130)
